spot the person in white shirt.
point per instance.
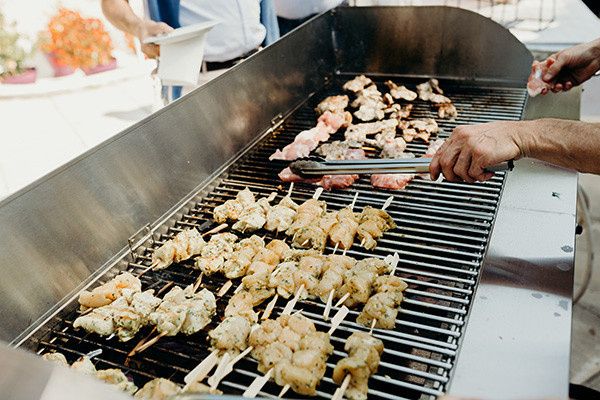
(292, 13)
(238, 34)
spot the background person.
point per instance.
(293, 13)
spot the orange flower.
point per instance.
(75, 41)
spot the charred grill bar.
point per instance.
(444, 228)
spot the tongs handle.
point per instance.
(316, 167)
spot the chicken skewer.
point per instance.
(364, 353)
(183, 246)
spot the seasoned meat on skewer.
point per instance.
(282, 279)
(110, 291)
(241, 257)
(56, 357)
(334, 269)
(357, 84)
(383, 306)
(373, 223)
(400, 92)
(183, 311)
(85, 366)
(364, 353)
(344, 229)
(184, 245)
(231, 335)
(280, 217)
(217, 250)
(231, 209)
(242, 304)
(254, 216)
(307, 213)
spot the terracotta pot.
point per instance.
(28, 76)
(59, 69)
(112, 64)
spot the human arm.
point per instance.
(471, 148)
(573, 66)
(120, 14)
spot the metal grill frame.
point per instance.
(424, 347)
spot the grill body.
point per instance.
(67, 231)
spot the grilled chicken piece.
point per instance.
(280, 217)
(217, 250)
(358, 133)
(427, 89)
(418, 128)
(446, 110)
(116, 377)
(231, 209)
(201, 388)
(344, 229)
(335, 120)
(279, 247)
(381, 307)
(357, 84)
(282, 279)
(370, 104)
(390, 145)
(231, 335)
(184, 311)
(268, 332)
(273, 354)
(302, 372)
(308, 212)
(257, 285)
(158, 389)
(333, 104)
(359, 280)
(85, 366)
(373, 223)
(364, 353)
(241, 258)
(253, 217)
(332, 278)
(99, 321)
(310, 237)
(305, 142)
(241, 304)
(400, 92)
(56, 357)
(110, 291)
(184, 245)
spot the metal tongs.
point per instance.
(314, 167)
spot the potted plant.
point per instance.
(73, 41)
(14, 50)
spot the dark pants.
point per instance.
(287, 25)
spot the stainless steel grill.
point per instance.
(443, 230)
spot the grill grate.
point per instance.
(443, 230)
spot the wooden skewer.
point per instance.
(198, 282)
(229, 367)
(141, 343)
(336, 247)
(112, 335)
(284, 390)
(372, 326)
(344, 252)
(156, 263)
(151, 342)
(317, 193)
(215, 230)
(339, 393)
(396, 259)
(87, 311)
(342, 300)
(151, 267)
(388, 202)
(258, 384)
(164, 288)
(270, 307)
(292, 303)
(328, 305)
(94, 353)
(289, 193)
(225, 288)
(338, 318)
(354, 201)
(237, 289)
(214, 380)
(362, 242)
(203, 369)
(304, 243)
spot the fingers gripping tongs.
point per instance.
(318, 167)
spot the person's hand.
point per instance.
(471, 148)
(573, 66)
(148, 28)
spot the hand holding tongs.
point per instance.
(318, 167)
